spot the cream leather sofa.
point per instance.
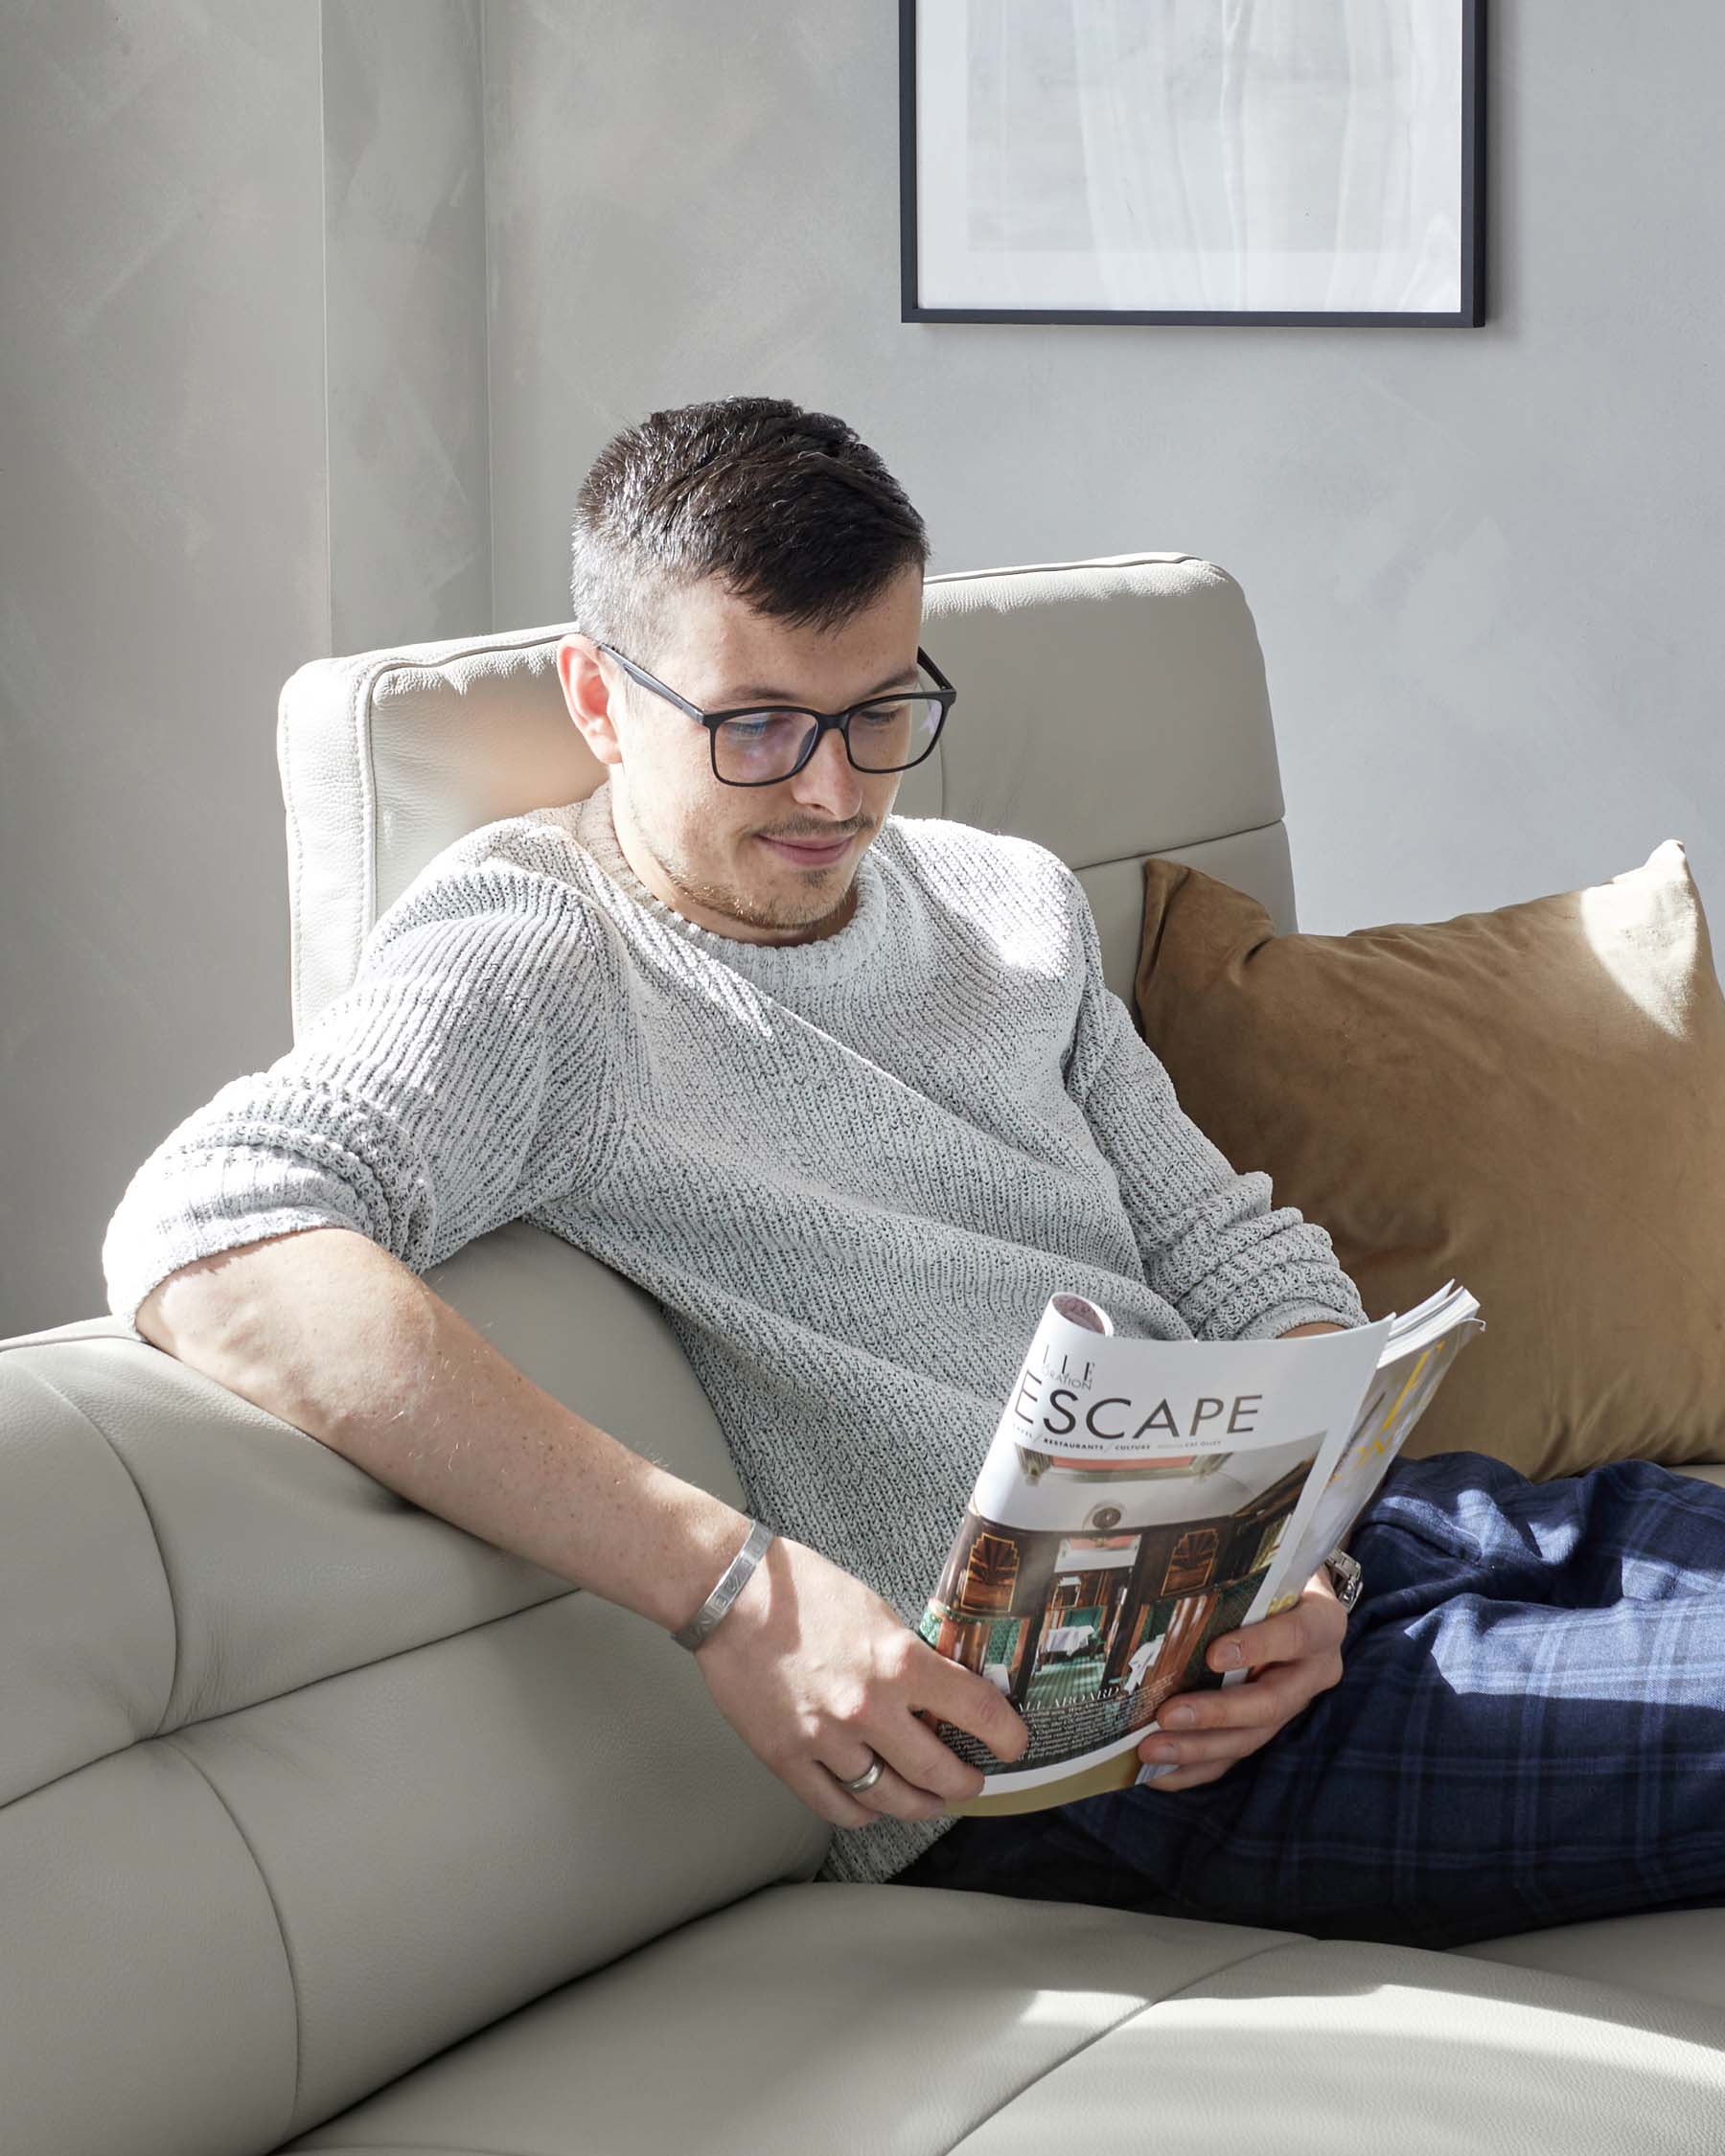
(326, 1826)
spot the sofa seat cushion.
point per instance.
(820, 2016)
(1669, 1953)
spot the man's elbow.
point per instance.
(195, 1303)
(193, 1311)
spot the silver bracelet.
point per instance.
(735, 1578)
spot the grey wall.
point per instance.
(163, 565)
(317, 315)
(1483, 562)
(243, 388)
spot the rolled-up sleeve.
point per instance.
(439, 1097)
(1234, 1266)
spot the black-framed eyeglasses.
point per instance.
(760, 744)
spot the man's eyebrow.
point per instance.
(741, 695)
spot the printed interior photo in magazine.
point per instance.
(1115, 1531)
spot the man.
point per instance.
(846, 1093)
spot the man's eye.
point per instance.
(765, 722)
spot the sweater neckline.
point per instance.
(771, 964)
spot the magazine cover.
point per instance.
(1141, 1497)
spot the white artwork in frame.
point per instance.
(1188, 161)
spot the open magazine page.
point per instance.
(1423, 1342)
(1131, 1508)
(1422, 1345)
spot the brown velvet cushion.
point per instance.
(1531, 1101)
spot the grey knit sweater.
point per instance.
(851, 1171)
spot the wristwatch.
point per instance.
(1344, 1576)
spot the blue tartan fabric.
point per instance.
(1529, 1731)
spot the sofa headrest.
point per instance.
(1108, 708)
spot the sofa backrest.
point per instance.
(1110, 709)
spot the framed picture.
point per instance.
(1289, 162)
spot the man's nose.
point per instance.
(830, 778)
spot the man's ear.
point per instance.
(587, 695)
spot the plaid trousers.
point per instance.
(1529, 1731)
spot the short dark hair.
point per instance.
(787, 509)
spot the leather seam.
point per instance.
(1115, 860)
(84, 1416)
(25, 1341)
(293, 1989)
(1049, 568)
(1148, 2007)
(269, 1699)
(367, 683)
(296, 837)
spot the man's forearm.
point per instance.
(1296, 1332)
(333, 1335)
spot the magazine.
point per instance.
(1143, 1497)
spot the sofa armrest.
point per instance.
(299, 1782)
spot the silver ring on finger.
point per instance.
(876, 1768)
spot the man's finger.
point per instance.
(1200, 1749)
(1310, 1627)
(1273, 1697)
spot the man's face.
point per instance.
(703, 846)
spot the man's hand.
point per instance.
(1303, 1646)
(1292, 1658)
(815, 1672)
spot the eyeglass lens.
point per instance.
(884, 736)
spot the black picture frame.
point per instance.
(1470, 314)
